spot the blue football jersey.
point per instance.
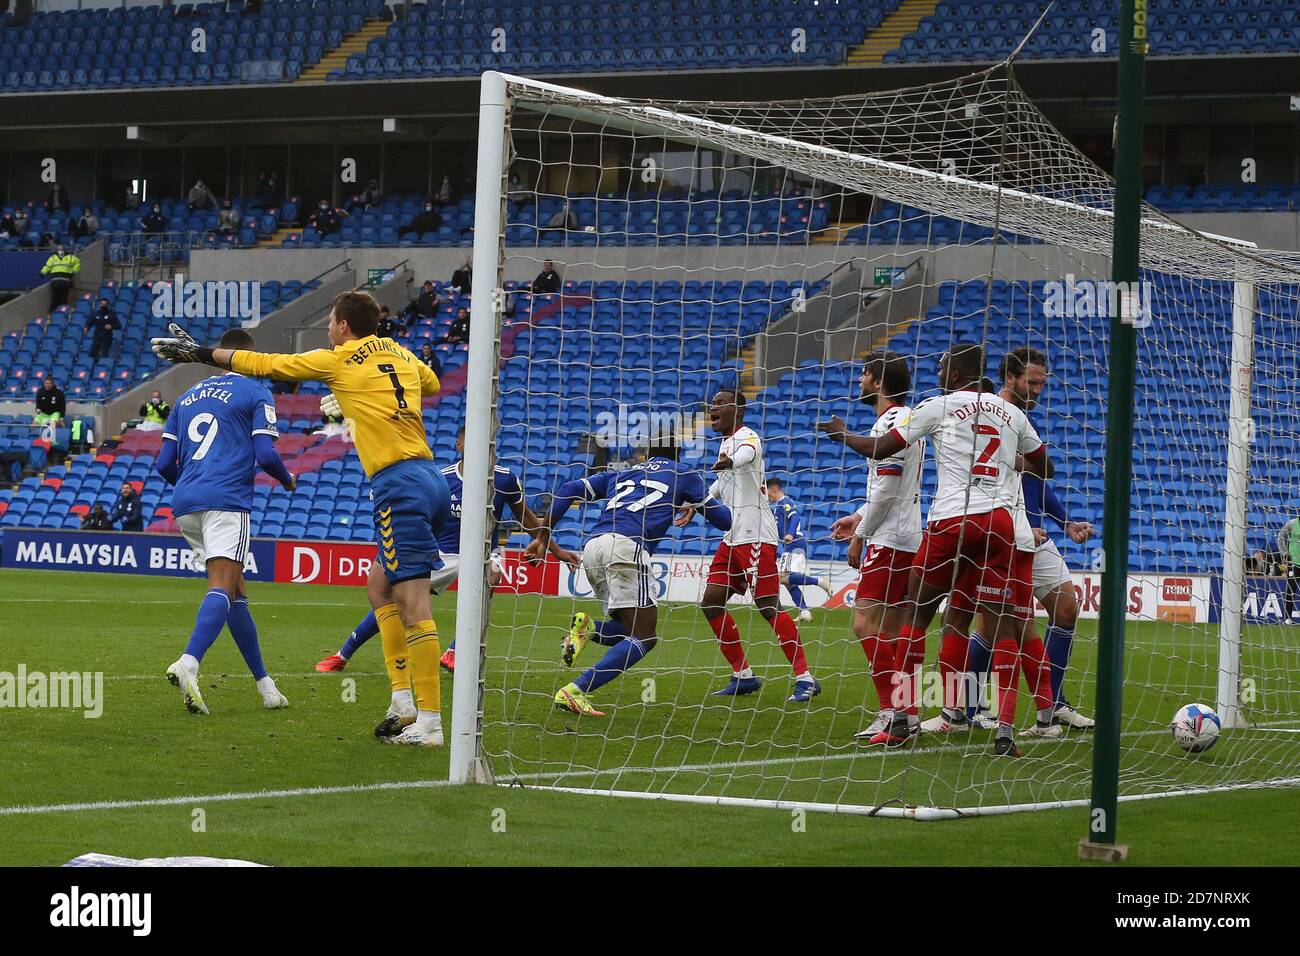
(213, 425)
(789, 522)
(642, 501)
(1040, 498)
(506, 493)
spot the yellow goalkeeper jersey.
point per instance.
(379, 385)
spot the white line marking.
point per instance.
(874, 754)
(219, 797)
(922, 813)
(32, 809)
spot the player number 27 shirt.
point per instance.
(976, 436)
(741, 489)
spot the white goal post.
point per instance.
(1070, 211)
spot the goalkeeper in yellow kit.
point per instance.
(378, 386)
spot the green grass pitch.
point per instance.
(246, 768)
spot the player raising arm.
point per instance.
(639, 508)
(378, 385)
(216, 435)
(746, 559)
(970, 538)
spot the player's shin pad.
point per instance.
(422, 639)
(396, 654)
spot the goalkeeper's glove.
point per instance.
(180, 347)
(329, 405)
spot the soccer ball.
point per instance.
(1195, 728)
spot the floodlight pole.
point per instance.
(1125, 319)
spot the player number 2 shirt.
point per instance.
(976, 436)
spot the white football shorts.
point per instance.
(1050, 570)
(618, 571)
(217, 534)
(793, 562)
(442, 577)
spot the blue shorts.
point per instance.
(411, 504)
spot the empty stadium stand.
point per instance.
(588, 37)
(156, 46)
(986, 31)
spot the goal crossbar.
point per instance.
(1167, 246)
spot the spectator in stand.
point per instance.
(56, 200)
(228, 218)
(201, 198)
(96, 519)
(326, 218)
(427, 221)
(388, 328)
(8, 227)
(51, 404)
(371, 196)
(127, 510)
(443, 195)
(548, 280)
(153, 223)
(425, 305)
(62, 268)
(463, 278)
(87, 225)
(564, 218)
(430, 358)
(269, 192)
(103, 323)
(515, 191)
(458, 334)
(154, 412)
(17, 226)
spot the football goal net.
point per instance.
(634, 258)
